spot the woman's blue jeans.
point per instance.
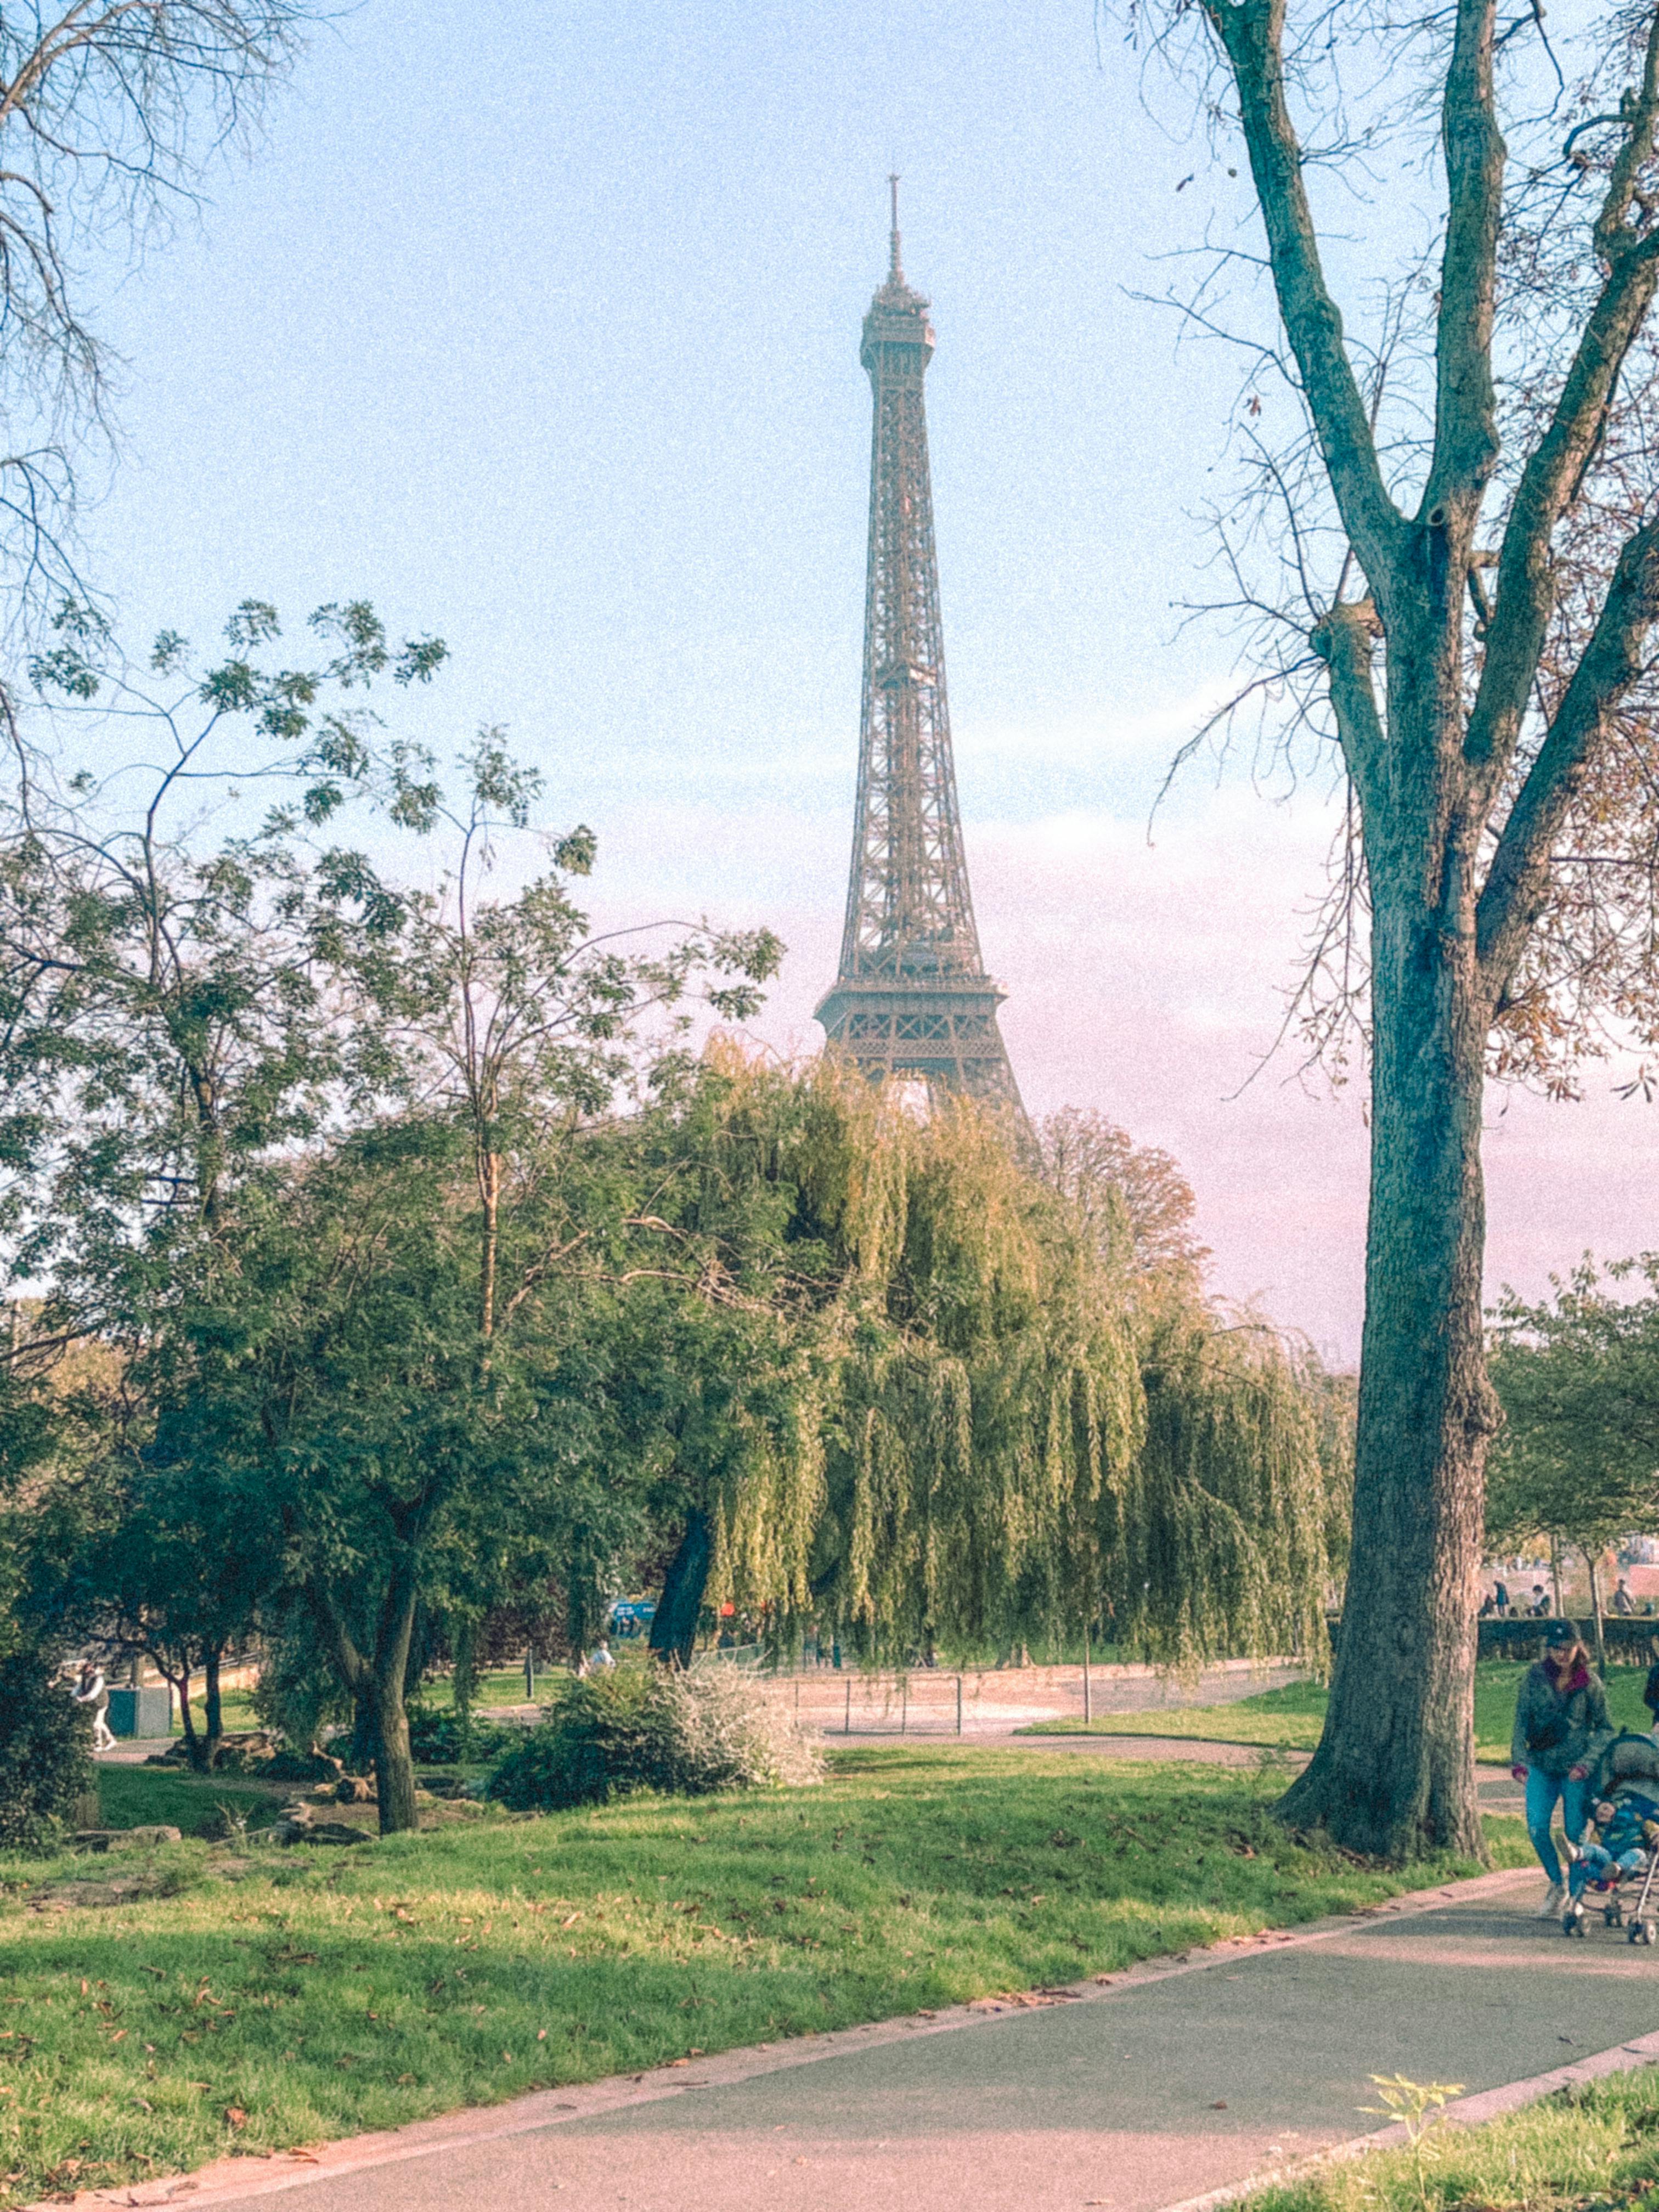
(1542, 1790)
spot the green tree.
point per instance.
(166, 964)
(1577, 1376)
(178, 1572)
(329, 1377)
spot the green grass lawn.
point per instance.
(235, 1708)
(137, 1797)
(1292, 1718)
(1588, 2150)
(260, 1999)
(500, 1687)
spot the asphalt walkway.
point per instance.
(1176, 2079)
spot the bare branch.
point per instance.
(1526, 585)
(1516, 881)
(1466, 417)
(1251, 32)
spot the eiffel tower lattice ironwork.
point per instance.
(912, 998)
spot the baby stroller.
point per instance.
(1627, 1778)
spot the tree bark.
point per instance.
(394, 1766)
(364, 1752)
(674, 1630)
(1433, 778)
(463, 1679)
(490, 1192)
(193, 1751)
(1595, 1613)
(212, 1704)
(1393, 1774)
(380, 1681)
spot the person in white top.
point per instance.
(601, 1654)
(92, 1690)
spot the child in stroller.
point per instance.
(1621, 1843)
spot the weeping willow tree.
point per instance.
(934, 1407)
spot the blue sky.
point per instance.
(539, 326)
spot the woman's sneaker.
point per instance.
(1555, 1898)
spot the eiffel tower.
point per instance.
(912, 998)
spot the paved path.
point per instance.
(1169, 2082)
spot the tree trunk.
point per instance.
(394, 1766)
(490, 1192)
(674, 1630)
(464, 1682)
(212, 1704)
(1393, 1774)
(1595, 1613)
(380, 1683)
(193, 1750)
(364, 1751)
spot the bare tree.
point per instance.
(1447, 557)
(108, 110)
(1134, 1198)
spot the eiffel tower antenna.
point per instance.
(912, 997)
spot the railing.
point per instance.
(929, 1701)
(1632, 1639)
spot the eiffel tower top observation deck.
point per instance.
(912, 997)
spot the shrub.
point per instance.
(44, 1764)
(446, 1739)
(298, 1693)
(651, 1729)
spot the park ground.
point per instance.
(169, 2004)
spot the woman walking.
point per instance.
(92, 1690)
(1561, 1729)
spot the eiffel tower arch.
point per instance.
(912, 998)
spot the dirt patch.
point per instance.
(71, 1895)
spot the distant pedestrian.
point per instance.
(92, 1690)
(1541, 1602)
(1500, 1596)
(1621, 1601)
(1561, 1729)
(599, 1661)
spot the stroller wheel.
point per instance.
(1649, 1931)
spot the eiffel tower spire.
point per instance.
(912, 997)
